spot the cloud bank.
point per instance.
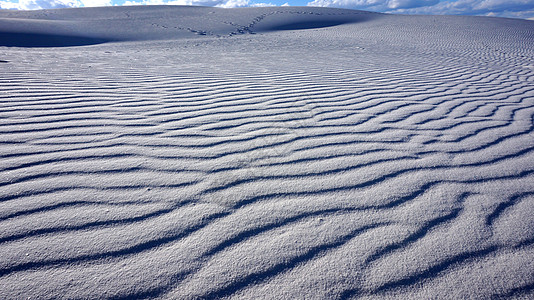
(503, 8)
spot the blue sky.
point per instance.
(502, 8)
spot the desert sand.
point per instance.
(265, 153)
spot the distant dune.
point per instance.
(265, 153)
(87, 26)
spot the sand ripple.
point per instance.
(391, 157)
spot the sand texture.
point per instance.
(265, 153)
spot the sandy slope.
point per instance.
(270, 153)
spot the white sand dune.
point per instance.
(265, 153)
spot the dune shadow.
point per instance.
(34, 40)
(309, 25)
(301, 20)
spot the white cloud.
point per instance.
(233, 3)
(94, 3)
(262, 5)
(8, 5)
(45, 4)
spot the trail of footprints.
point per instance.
(370, 179)
(240, 29)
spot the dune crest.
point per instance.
(86, 26)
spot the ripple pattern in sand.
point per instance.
(126, 174)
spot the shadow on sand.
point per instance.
(11, 39)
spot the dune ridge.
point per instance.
(89, 26)
(315, 154)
